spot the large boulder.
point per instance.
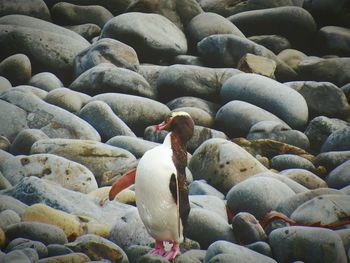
(337, 141)
(33, 8)
(17, 69)
(334, 40)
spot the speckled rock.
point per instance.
(151, 35)
(195, 102)
(96, 156)
(67, 173)
(136, 112)
(223, 164)
(200, 187)
(245, 116)
(340, 176)
(17, 69)
(10, 203)
(8, 217)
(275, 43)
(72, 257)
(25, 139)
(267, 94)
(257, 195)
(305, 178)
(247, 229)
(292, 57)
(46, 81)
(33, 8)
(331, 160)
(338, 141)
(334, 40)
(100, 115)
(288, 161)
(22, 243)
(315, 245)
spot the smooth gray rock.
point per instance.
(334, 70)
(200, 187)
(191, 256)
(305, 178)
(135, 252)
(46, 81)
(308, 244)
(72, 257)
(226, 50)
(52, 120)
(48, 46)
(323, 98)
(292, 22)
(188, 60)
(100, 115)
(16, 68)
(337, 141)
(194, 102)
(277, 131)
(5, 84)
(223, 164)
(33, 8)
(206, 227)
(331, 160)
(153, 36)
(257, 196)
(320, 128)
(4, 183)
(30, 89)
(340, 176)
(232, 253)
(200, 117)
(25, 139)
(275, 43)
(237, 117)
(11, 203)
(23, 243)
(292, 57)
(106, 50)
(247, 229)
(70, 14)
(346, 90)
(16, 256)
(87, 31)
(209, 203)
(8, 217)
(261, 247)
(4, 143)
(151, 73)
(137, 112)
(288, 161)
(187, 80)
(334, 40)
(58, 250)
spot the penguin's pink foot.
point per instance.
(158, 249)
(174, 251)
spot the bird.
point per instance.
(161, 187)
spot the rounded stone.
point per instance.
(199, 116)
(270, 95)
(16, 256)
(188, 60)
(334, 40)
(8, 217)
(2, 239)
(58, 250)
(260, 247)
(10, 203)
(292, 57)
(17, 69)
(87, 31)
(340, 176)
(223, 164)
(245, 116)
(100, 115)
(345, 89)
(46, 81)
(210, 203)
(275, 43)
(257, 196)
(33, 8)
(5, 84)
(305, 178)
(23, 243)
(4, 183)
(25, 139)
(5, 144)
(153, 36)
(337, 141)
(288, 161)
(331, 160)
(200, 187)
(72, 257)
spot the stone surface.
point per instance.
(307, 244)
(10, 203)
(25, 139)
(188, 101)
(200, 187)
(33, 8)
(269, 95)
(340, 176)
(223, 164)
(292, 57)
(245, 116)
(46, 81)
(100, 115)
(257, 196)
(72, 257)
(199, 116)
(23, 243)
(275, 43)
(58, 250)
(64, 172)
(151, 35)
(305, 178)
(16, 255)
(246, 229)
(4, 143)
(339, 140)
(5, 84)
(289, 161)
(17, 69)
(97, 157)
(87, 31)
(8, 217)
(210, 203)
(334, 40)
(331, 160)
(188, 60)
(250, 63)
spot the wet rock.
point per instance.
(323, 98)
(53, 121)
(289, 161)
(33, 8)
(337, 141)
(331, 160)
(58, 250)
(207, 227)
(45, 81)
(320, 128)
(25, 139)
(223, 164)
(100, 115)
(250, 63)
(137, 112)
(48, 46)
(223, 251)
(210, 203)
(194, 102)
(67, 173)
(200, 187)
(153, 36)
(188, 60)
(277, 131)
(10, 203)
(275, 43)
(72, 257)
(97, 157)
(8, 217)
(334, 70)
(225, 50)
(16, 68)
(22, 243)
(97, 248)
(70, 14)
(340, 176)
(315, 245)
(247, 229)
(334, 40)
(17, 255)
(245, 114)
(305, 178)
(292, 57)
(187, 80)
(267, 94)
(87, 31)
(257, 195)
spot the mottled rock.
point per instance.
(97, 157)
(22, 243)
(67, 173)
(247, 229)
(268, 94)
(245, 116)
(289, 161)
(223, 251)
(223, 164)
(339, 140)
(8, 217)
(194, 102)
(275, 43)
(100, 115)
(305, 178)
(153, 36)
(250, 63)
(87, 31)
(25, 139)
(45, 81)
(318, 245)
(340, 176)
(33, 8)
(136, 146)
(331, 160)
(200, 187)
(257, 195)
(72, 257)
(292, 57)
(137, 112)
(16, 68)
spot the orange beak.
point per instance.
(161, 126)
(122, 183)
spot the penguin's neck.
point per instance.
(178, 148)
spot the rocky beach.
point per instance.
(266, 82)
